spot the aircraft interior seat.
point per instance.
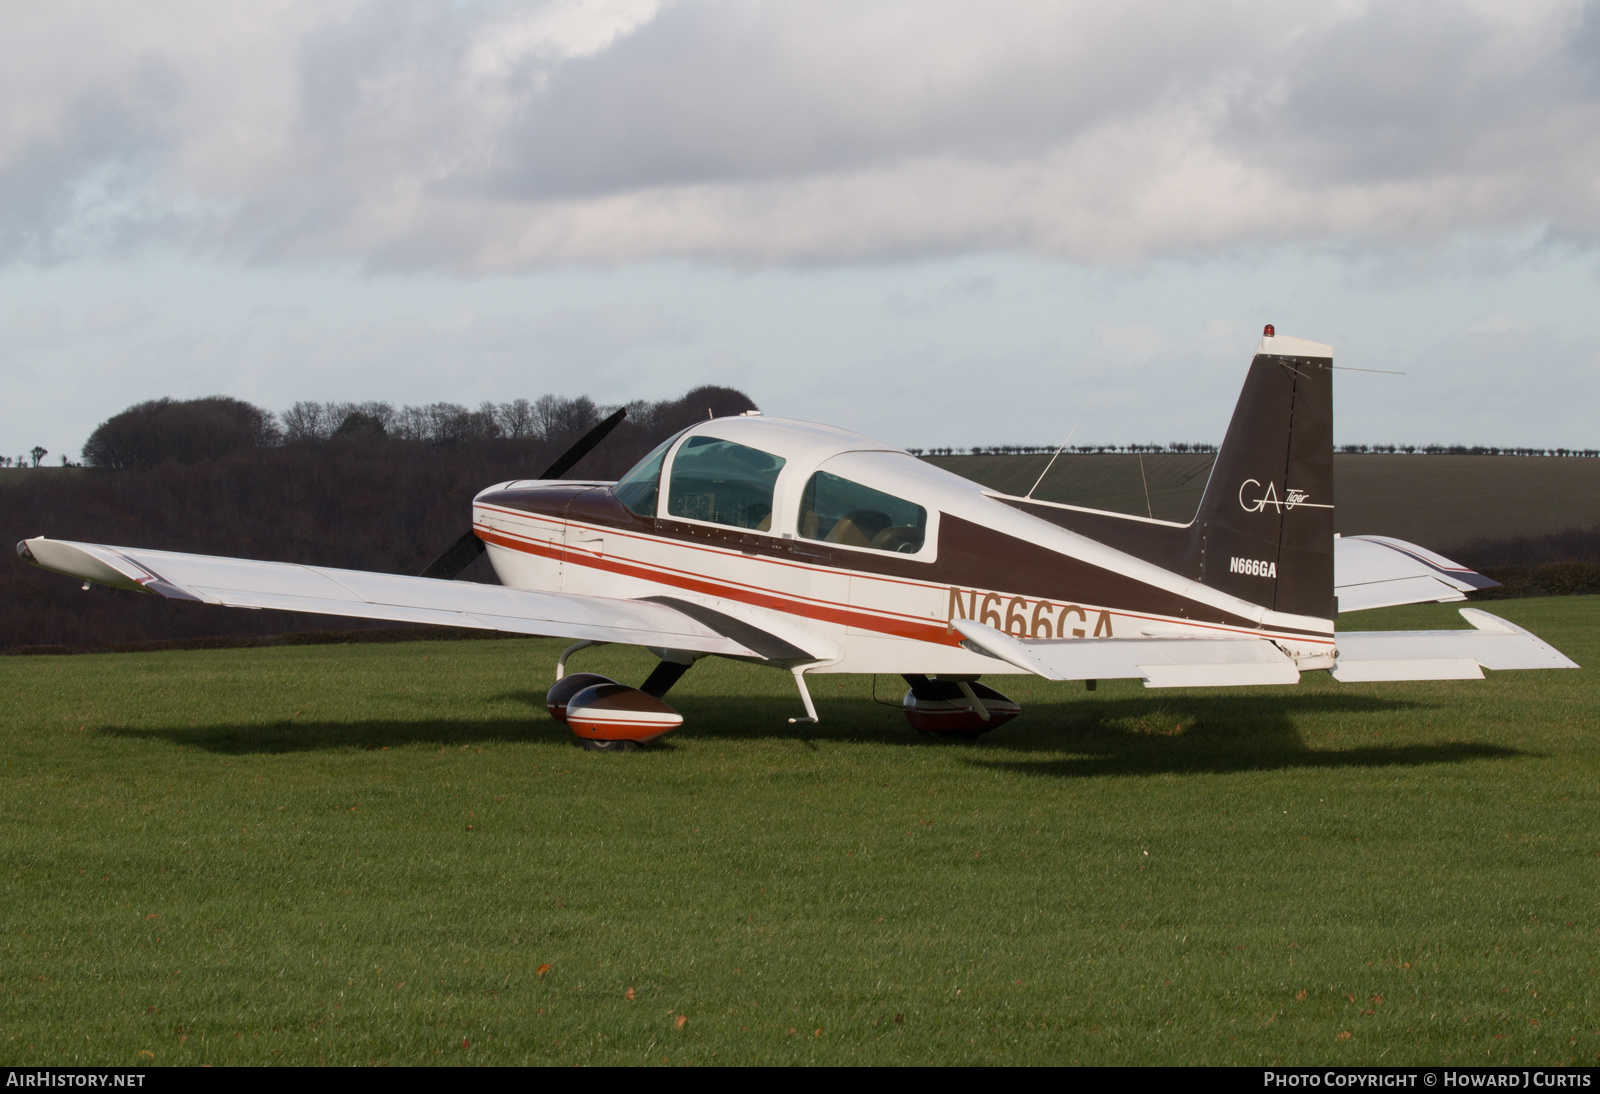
(845, 531)
(902, 538)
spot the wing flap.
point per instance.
(1159, 662)
(1219, 675)
(282, 586)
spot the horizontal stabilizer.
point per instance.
(1159, 662)
(1380, 572)
(245, 583)
(1492, 643)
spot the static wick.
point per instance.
(1052, 462)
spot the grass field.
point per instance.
(1437, 501)
(390, 854)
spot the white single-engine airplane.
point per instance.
(816, 550)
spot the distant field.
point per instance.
(390, 854)
(1437, 501)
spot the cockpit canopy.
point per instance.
(715, 479)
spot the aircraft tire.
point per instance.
(590, 744)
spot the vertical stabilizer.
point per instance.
(1265, 524)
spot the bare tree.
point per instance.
(39, 453)
(516, 419)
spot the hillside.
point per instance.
(1437, 501)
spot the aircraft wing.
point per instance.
(1493, 643)
(243, 583)
(1159, 662)
(1379, 572)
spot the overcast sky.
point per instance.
(936, 222)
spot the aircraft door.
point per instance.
(874, 524)
(581, 550)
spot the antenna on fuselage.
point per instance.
(1052, 462)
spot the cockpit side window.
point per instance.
(724, 483)
(639, 487)
(836, 510)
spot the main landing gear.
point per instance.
(955, 707)
(606, 716)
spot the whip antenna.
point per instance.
(1052, 462)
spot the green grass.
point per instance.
(1438, 501)
(349, 854)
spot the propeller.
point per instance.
(464, 551)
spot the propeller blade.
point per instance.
(465, 551)
(585, 443)
(457, 557)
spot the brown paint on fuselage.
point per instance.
(970, 556)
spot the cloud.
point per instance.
(957, 292)
(1523, 387)
(32, 328)
(1498, 323)
(115, 316)
(1226, 338)
(425, 134)
(1132, 343)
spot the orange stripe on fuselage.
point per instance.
(937, 633)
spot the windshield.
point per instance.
(724, 483)
(638, 488)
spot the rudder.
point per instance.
(1265, 523)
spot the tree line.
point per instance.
(1565, 563)
(1464, 450)
(38, 453)
(188, 430)
(225, 478)
(1050, 449)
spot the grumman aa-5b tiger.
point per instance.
(814, 550)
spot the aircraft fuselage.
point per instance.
(880, 610)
